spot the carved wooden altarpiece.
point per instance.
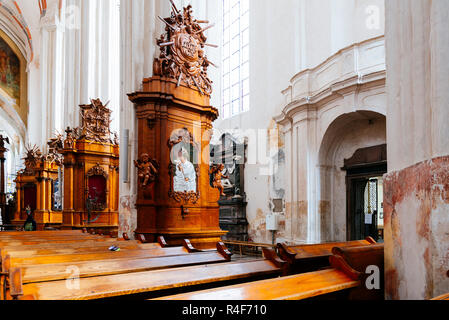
(35, 186)
(174, 119)
(3, 150)
(91, 172)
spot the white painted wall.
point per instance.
(286, 37)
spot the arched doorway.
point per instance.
(338, 162)
(364, 192)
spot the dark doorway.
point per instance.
(364, 187)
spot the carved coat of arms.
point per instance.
(182, 54)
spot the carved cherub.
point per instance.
(217, 175)
(148, 169)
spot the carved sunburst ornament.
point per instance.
(182, 54)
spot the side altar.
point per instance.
(91, 172)
(174, 120)
(37, 187)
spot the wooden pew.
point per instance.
(124, 276)
(38, 233)
(312, 257)
(297, 287)
(86, 247)
(154, 282)
(32, 242)
(444, 297)
(51, 272)
(97, 251)
(344, 280)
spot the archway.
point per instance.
(13, 102)
(344, 136)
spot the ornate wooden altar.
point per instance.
(91, 172)
(174, 115)
(35, 187)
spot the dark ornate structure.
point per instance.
(229, 156)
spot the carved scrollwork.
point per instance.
(54, 146)
(97, 170)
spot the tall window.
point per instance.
(235, 64)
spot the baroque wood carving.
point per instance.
(148, 170)
(91, 175)
(97, 171)
(216, 173)
(55, 145)
(32, 159)
(182, 54)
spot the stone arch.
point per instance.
(15, 37)
(345, 134)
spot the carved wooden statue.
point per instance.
(216, 172)
(148, 169)
(91, 171)
(174, 116)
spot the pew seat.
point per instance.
(313, 257)
(444, 297)
(59, 271)
(109, 286)
(296, 287)
(345, 278)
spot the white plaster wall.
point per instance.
(418, 100)
(417, 45)
(286, 37)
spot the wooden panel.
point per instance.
(321, 249)
(142, 253)
(50, 250)
(296, 287)
(77, 244)
(149, 281)
(443, 297)
(51, 272)
(39, 233)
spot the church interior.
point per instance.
(224, 150)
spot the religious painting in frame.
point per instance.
(13, 77)
(184, 167)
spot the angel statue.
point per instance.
(148, 169)
(217, 175)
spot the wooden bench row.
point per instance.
(42, 267)
(346, 278)
(75, 265)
